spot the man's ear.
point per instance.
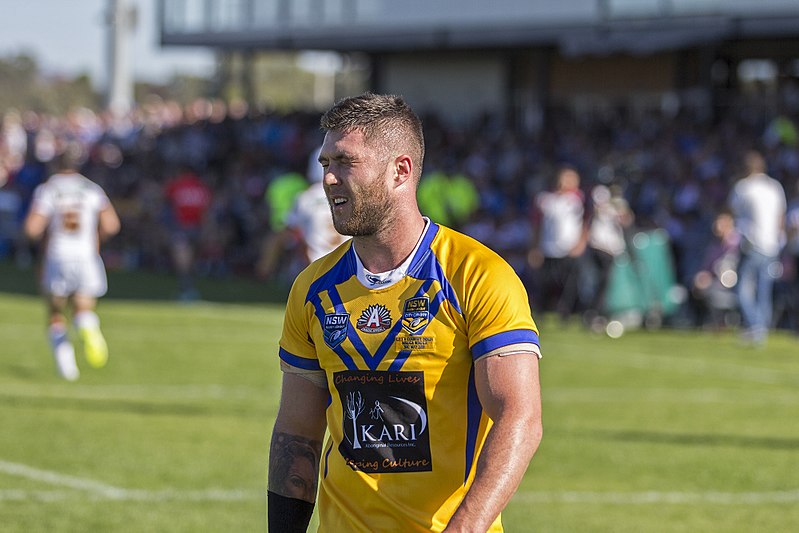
(403, 169)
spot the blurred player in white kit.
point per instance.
(71, 215)
(309, 221)
(311, 214)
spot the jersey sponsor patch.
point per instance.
(374, 319)
(385, 421)
(335, 328)
(416, 315)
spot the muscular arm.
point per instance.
(509, 391)
(297, 439)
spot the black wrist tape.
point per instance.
(288, 515)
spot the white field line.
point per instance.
(60, 480)
(99, 490)
(18, 495)
(656, 497)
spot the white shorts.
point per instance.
(86, 277)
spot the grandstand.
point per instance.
(517, 58)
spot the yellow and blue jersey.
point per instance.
(405, 422)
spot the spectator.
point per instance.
(281, 194)
(758, 203)
(448, 199)
(713, 287)
(188, 200)
(610, 217)
(9, 208)
(559, 239)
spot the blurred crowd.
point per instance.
(218, 179)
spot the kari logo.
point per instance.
(334, 328)
(416, 315)
(385, 423)
(374, 319)
(374, 432)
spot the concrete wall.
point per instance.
(455, 85)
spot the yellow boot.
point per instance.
(95, 349)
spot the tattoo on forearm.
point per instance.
(294, 466)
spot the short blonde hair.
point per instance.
(386, 120)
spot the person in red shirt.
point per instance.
(189, 199)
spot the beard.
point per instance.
(370, 208)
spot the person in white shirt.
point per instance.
(610, 217)
(72, 215)
(311, 217)
(758, 203)
(559, 240)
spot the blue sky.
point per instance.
(69, 37)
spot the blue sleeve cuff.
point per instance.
(299, 362)
(505, 338)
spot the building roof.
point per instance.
(575, 27)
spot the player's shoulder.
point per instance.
(52, 185)
(90, 189)
(90, 185)
(473, 270)
(456, 250)
(71, 180)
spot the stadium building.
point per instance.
(520, 58)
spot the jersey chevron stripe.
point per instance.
(343, 269)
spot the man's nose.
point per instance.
(330, 178)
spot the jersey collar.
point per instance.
(382, 280)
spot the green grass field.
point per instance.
(655, 431)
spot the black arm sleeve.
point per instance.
(288, 515)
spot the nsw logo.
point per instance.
(334, 328)
(374, 319)
(416, 315)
